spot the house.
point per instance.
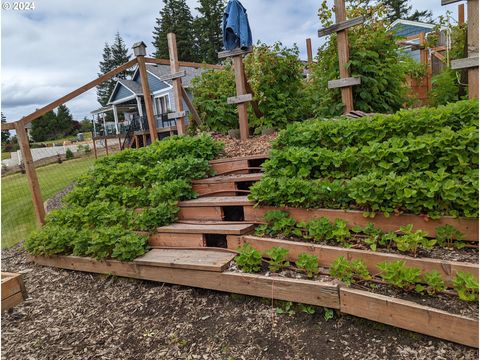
(128, 105)
(411, 30)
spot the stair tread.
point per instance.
(229, 178)
(207, 260)
(239, 158)
(230, 229)
(217, 201)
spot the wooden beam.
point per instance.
(177, 83)
(309, 51)
(341, 25)
(8, 126)
(234, 52)
(176, 115)
(173, 76)
(343, 56)
(147, 98)
(184, 64)
(464, 63)
(241, 90)
(409, 315)
(190, 106)
(33, 183)
(29, 118)
(239, 99)
(446, 2)
(317, 293)
(472, 42)
(461, 14)
(340, 83)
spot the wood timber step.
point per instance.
(227, 229)
(239, 165)
(226, 185)
(217, 201)
(206, 260)
(197, 235)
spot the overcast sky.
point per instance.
(52, 50)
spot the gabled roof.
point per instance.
(131, 85)
(406, 28)
(411, 23)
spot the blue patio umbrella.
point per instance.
(236, 29)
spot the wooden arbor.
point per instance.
(340, 27)
(471, 62)
(140, 60)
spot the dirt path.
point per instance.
(73, 315)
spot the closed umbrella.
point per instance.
(236, 29)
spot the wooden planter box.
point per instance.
(469, 227)
(400, 313)
(13, 290)
(328, 254)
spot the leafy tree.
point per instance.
(5, 133)
(113, 56)
(374, 57)
(401, 9)
(208, 29)
(175, 17)
(86, 125)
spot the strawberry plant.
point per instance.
(434, 283)
(248, 259)
(466, 286)
(308, 263)
(319, 229)
(448, 236)
(340, 231)
(397, 274)
(278, 259)
(410, 241)
(280, 222)
(349, 271)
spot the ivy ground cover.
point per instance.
(422, 161)
(100, 219)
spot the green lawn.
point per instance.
(18, 218)
(6, 155)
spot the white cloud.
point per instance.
(57, 47)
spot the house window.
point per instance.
(162, 104)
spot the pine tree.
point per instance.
(64, 122)
(400, 9)
(208, 29)
(43, 128)
(113, 57)
(175, 17)
(5, 133)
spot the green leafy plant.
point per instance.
(410, 241)
(466, 286)
(308, 263)
(280, 222)
(448, 236)
(319, 229)
(341, 232)
(307, 309)
(349, 271)
(69, 154)
(398, 274)
(248, 259)
(328, 313)
(278, 259)
(285, 307)
(434, 283)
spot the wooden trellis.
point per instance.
(341, 26)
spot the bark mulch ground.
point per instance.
(74, 315)
(255, 145)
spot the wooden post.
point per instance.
(472, 23)
(309, 51)
(30, 170)
(241, 90)
(177, 83)
(461, 14)
(343, 55)
(139, 51)
(106, 146)
(115, 117)
(94, 146)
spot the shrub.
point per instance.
(444, 88)
(69, 154)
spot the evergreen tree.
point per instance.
(5, 133)
(401, 9)
(175, 17)
(113, 56)
(64, 122)
(208, 29)
(43, 128)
